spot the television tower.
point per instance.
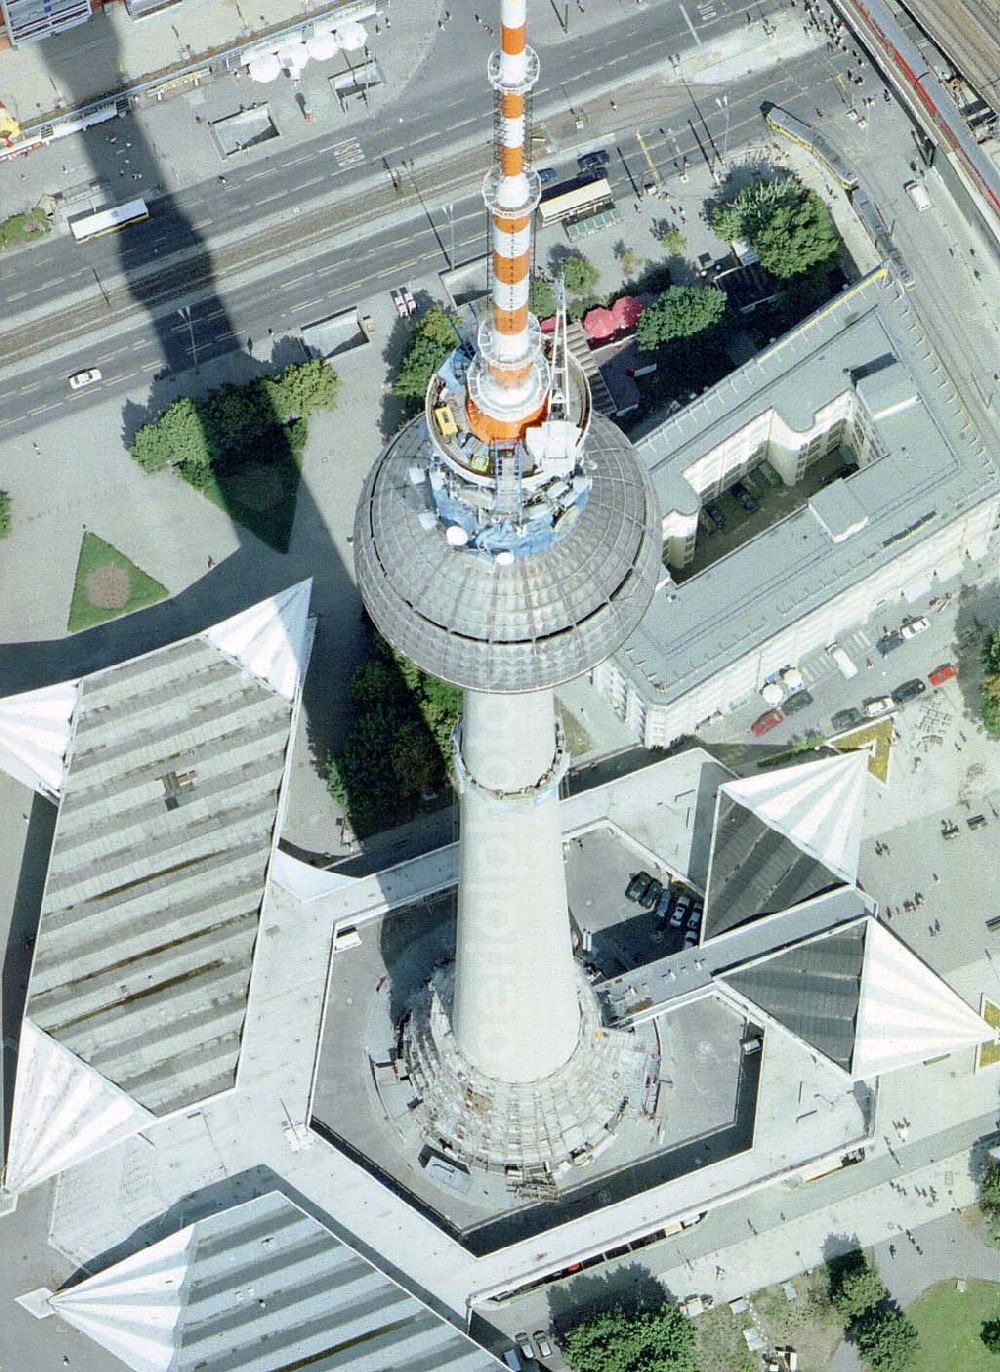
(508, 540)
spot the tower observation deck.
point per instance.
(507, 540)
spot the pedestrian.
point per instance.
(614, 104)
(937, 926)
(892, 1250)
(211, 562)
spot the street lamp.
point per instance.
(450, 212)
(185, 314)
(723, 104)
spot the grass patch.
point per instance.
(876, 739)
(988, 1054)
(22, 228)
(948, 1322)
(107, 585)
(719, 1342)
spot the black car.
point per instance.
(638, 886)
(843, 719)
(600, 157)
(798, 701)
(546, 175)
(909, 690)
(739, 492)
(651, 895)
(890, 642)
(716, 516)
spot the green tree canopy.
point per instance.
(652, 1339)
(886, 1339)
(579, 274)
(989, 1332)
(991, 663)
(301, 388)
(790, 227)
(542, 297)
(6, 517)
(859, 1288)
(432, 340)
(680, 312)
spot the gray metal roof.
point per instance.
(933, 469)
(261, 1287)
(755, 870)
(812, 989)
(151, 904)
(547, 618)
(28, 21)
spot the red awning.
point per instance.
(626, 311)
(548, 325)
(600, 323)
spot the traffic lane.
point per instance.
(185, 218)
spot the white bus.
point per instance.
(108, 221)
(577, 203)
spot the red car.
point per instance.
(946, 672)
(766, 722)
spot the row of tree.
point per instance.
(790, 227)
(989, 696)
(652, 1338)
(397, 751)
(6, 514)
(884, 1336)
(434, 336)
(261, 419)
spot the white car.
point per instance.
(912, 627)
(879, 705)
(80, 379)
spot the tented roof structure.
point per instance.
(35, 730)
(165, 831)
(261, 1286)
(783, 837)
(861, 998)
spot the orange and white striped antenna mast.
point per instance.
(508, 383)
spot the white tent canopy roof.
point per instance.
(34, 735)
(64, 1111)
(271, 639)
(819, 805)
(907, 1014)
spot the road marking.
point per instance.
(202, 223)
(278, 195)
(694, 32)
(150, 366)
(305, 304)
(314, 182)
(31, 386)
(348, 152)
(40, 409)
(17, 295)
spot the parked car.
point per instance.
(690, 938)
(716, 516)
(911, 627)
(946, 672)
(638, 886)
(843, 719)
(664, 905)
(651, 895)
(542, 1343)
(547, 175)
(765, 723)
(592, 161)
(798, 701)
(80, 379)
(889, 642)
(739, 492)
(909, 690)
(525, 1346)
(843, 663)
(680, 913)
(878, 705)
(512, 1360)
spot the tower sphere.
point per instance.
(521, 622)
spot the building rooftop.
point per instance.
(172, 769)
(265, 1288)
(932, 468)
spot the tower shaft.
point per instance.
(516, 1012)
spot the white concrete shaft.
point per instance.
(516, 1014)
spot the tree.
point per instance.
(886, 1339)
(859, 1288)
(432, 340)
(186, 437)
(989, 1332)
(790, 227)
(6, 520)
(150, 448)
(989, 1181)
(670, 237)
(542, 297)
(797, 237)
(652, 1339)
(680, 312)
(579, 274)
(306, 386)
